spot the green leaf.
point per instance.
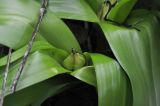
(38, 45)
(138, 53)
(20, 9)
(17, 22)
(56, 32)
(86, 74)
(120, 12)
(113, 86)
(107, 76)
(73, 9)
(95, 4)
(39, 67)
(15, 33)
(36, 94)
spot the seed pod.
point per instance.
(74, 61)
(68, 63)
(80, 60)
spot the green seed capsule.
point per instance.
(79, 60)
(74, 61)
(68, 63)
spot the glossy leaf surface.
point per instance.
(113, 86)
(138, 53)
(73, 9)
(36, 94)
(17, 23)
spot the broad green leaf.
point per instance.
(120, 12)
(38, 45)
(39, 92)
(64, 82)
(95, 4)
(107, 76)
(56, 32)
(39, 67)
(18, 9)
(15, 33)
(113, 86)
(138, 53)
(17, 23)
(86, 74)
(73, 9)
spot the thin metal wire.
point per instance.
(5, 77)
(29, 47)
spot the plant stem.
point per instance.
(29, 47)
(5, 77)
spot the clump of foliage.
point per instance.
(111, 47)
